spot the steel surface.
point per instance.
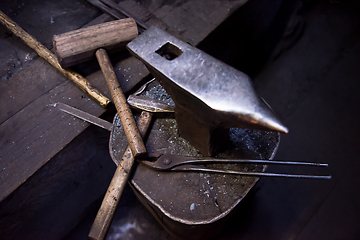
(209, 95)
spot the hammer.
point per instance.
(81, 45)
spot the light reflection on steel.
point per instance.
(210, 96)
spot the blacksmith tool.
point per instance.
(45, 53)
(108, 207)
(149, 104)
(141, 103)
(97, 38)
(84, 116)
(210, 97)
(170, 162)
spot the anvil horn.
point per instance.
(210, 96)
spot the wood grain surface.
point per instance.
(32, 132)
(80, 45)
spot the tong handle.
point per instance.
(169, 161)
(245, 173)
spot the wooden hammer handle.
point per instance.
(111, 200)
(51, 58)
(126, 117)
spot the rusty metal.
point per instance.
(109, 204)
(210, 96)
(171, 162)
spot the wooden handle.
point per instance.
(111, 200)
(126, 117)
(80, 45)
(51, 58)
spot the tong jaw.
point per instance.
(210, 97)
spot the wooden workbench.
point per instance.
(32, 131)
(29, 122)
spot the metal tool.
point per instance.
(192, 204)
(45, 53)
(210, 96)
(149, 104)
(84, 116)
(105, 214)
(143, 87)
(153, 106)
(170, 162)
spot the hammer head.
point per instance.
(80, 45)
(210, 97)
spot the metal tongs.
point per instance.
(170, 162)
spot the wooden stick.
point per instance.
(126, 117)
(51, 58)
(111, 200)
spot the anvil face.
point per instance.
(210, 96)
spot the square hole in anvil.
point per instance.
(169, 51)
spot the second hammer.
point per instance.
(78, 46)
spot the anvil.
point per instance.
(210, 96)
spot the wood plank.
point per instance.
(26, 86)
(25, 133)
(36, 133)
